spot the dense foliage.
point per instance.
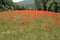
(6, 5)
(49, 5)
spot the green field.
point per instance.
(27, 27)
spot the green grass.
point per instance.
(31, 30)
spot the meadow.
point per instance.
(29, 25)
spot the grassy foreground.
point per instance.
(29, 25)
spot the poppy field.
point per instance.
(29, 25)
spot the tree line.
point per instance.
(47, 5)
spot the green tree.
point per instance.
(6, 4)
(41, 4)
(49, 5)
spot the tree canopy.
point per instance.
(49, 5)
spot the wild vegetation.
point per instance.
(29, 25)
(47, 5)
(6, 5)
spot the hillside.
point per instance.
(26, 2)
